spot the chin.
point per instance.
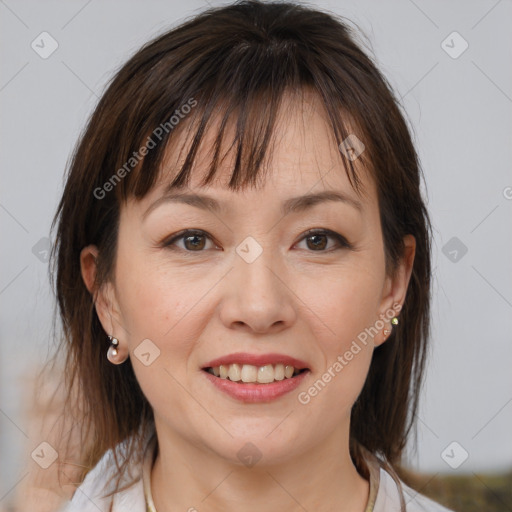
(258, 441)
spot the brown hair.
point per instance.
(238, 59)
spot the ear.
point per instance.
(395, 288)
(104, 298)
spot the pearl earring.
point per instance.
(112, 351)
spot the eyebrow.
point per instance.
(291, 205)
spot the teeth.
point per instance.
(234, 372)
(279, 372)
(265, 374)
(288, 371)
(223, 371)
(250, 373)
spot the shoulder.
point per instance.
(388, 497)
(90, 495)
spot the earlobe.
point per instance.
(396, 290)
(104, 303)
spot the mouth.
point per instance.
(256, 378)
(252, 374)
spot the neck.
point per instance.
(323, 479)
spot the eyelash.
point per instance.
(342, 241)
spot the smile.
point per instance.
(254, 392)
(248, 373)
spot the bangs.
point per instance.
(236, 88)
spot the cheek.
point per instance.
(165, 305)
(152, 299)
(343, 312)
(345, 303)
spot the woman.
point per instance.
(242, 268)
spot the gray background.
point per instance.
(460, 109)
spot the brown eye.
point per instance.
(318, 240)
(193, 241)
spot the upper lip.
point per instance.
(256, 360)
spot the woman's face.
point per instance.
(253, 283)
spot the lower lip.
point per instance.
(254, 393)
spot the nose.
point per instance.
(258, 297)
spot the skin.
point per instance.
(293, 299)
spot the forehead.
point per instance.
(302, 157)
